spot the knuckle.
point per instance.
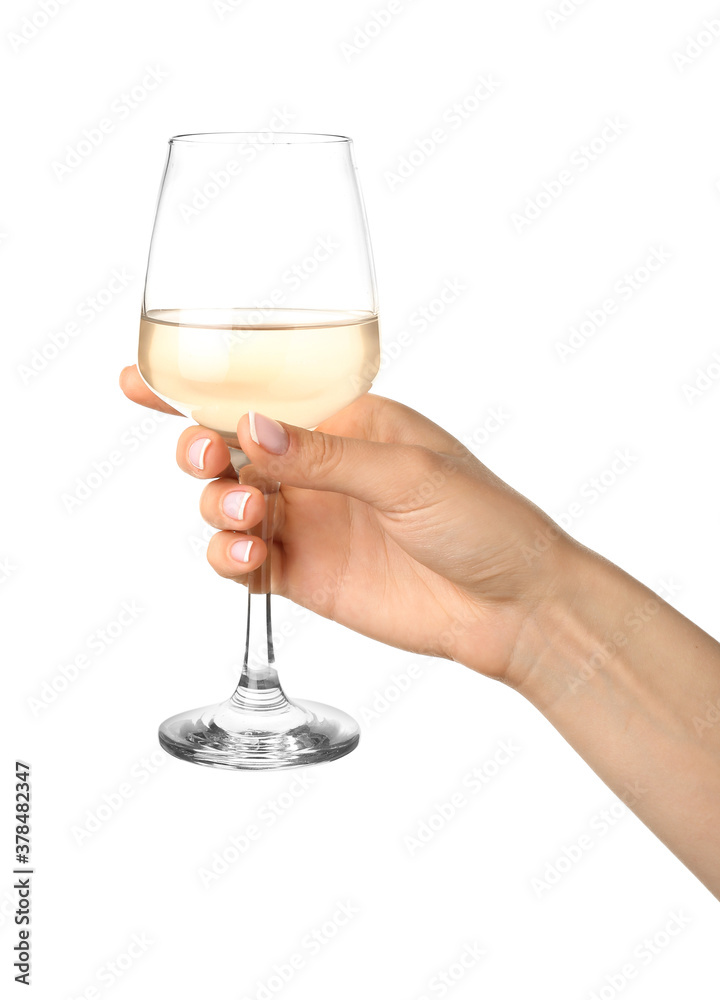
(212, 551)
(217, 555)
(423, 475)
(422, 465)
(211, 508)
(325, 455)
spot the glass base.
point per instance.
(226, 735)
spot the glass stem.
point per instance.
(258, 689)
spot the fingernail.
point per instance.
(234, 504)
(240, 551)
(196, 452)
(269, 434)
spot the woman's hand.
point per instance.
(390, 526)
(385, 523)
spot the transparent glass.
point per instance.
(260, 296)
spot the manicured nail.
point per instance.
(269, 434)
(234, 504)
(241, 550)
(196, 452)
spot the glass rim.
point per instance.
(262, 135)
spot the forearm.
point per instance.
(634, 687)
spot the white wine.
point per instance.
(297, 365)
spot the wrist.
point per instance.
(627, 681)
(583, 625)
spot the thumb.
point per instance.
(388, 476)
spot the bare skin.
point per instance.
(388, 525)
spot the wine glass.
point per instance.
(259, 297)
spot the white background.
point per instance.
(137, 538)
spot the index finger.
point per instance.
(135, 389)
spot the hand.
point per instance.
(387, 524)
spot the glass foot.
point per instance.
(226, 735)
